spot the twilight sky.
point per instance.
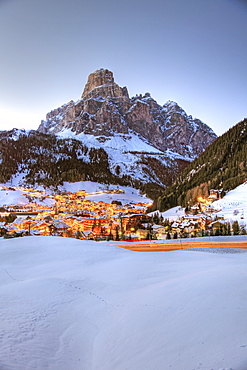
(191, 51)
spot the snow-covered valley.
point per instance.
(72, 304)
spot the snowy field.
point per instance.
(69, 304)
(94, 190)
(129, 195)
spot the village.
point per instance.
(72, 215)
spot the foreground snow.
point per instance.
(68, 304)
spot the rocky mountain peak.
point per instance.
(101, 83)
(105, 110)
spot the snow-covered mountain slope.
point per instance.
(35, 158)
(129, 155)
(116, 142)
(69, 304)
(233, 206)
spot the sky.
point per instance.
(193, 52)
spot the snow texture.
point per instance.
(71, 304)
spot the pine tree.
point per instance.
(236, 228)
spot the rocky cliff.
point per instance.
(106, 110)
(101, 83)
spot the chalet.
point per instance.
(131, 221)
(88, 223)
(176, 226)
(60, 227)
(200, 217)
(142, 234)
(43, 228)
(87, 234)
(161, 236)
(217, 225)
(80, 194)
(35, 232)
(187, 227)
(4, 214)
(28, 224)
(159, 231)
(214, 194)
(10, 229)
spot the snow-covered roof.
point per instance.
(155, 227)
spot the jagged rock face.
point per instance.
(141, 120)
(105, 109)
(101, 83)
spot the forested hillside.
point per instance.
(49, 160)
(222, 166)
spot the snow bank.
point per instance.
(69, 304)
